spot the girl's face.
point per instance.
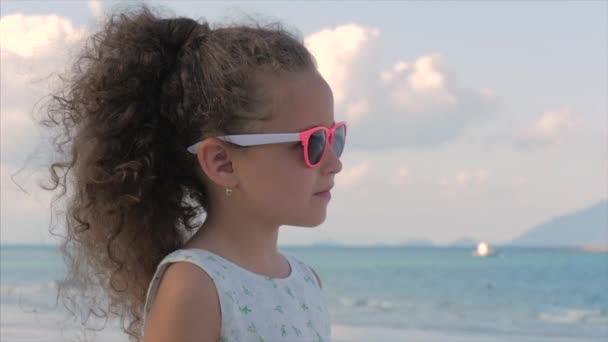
(274, 178)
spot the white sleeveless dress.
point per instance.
(256, 307)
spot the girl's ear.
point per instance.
(215, 158)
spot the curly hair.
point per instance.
(140, 91)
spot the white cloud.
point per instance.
(398, 68)
(547, 130)
(353, 176)
(96, 7)
(481, 176)
(25, 207)
(519, 180)
(426, 77)
(19, 136)
(34, 49)
(27, 36)
(424, 89)
(400, 175)
(336, 51)
(487, 93)
(356, 110)
(463, 178)
(466, 178)
(410, 103)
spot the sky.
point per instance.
(466, 118)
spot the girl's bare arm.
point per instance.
(186, 307)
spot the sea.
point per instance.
(378, 294)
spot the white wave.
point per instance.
(11, 290)
(19, 324)
(567, 316)
(375, 304)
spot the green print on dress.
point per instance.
(289, 292)
(319, 338)
(229, 295)
(303, 303)
(271, 280)
(308, 279)
(297, 331)
(247, 291)
(212, 258)
(252, 329)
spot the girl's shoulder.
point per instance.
(182, 290)
(182, 263)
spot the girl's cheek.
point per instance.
(295, 154)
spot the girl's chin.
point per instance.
(310, 221)
(317, 221)
(312, 216)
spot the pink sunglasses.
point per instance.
(314, 141)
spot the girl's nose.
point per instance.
(331, 163)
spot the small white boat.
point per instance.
(483, 250)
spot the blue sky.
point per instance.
(477, 119)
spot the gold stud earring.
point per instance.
(228, 192)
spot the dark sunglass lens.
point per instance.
(339, 137)
(316, 144)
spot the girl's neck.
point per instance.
(252, 245)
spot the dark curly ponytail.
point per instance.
(142, 90)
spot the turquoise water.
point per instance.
(519, 292)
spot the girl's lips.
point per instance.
(324, 194)
(328, 189)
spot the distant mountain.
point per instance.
(464, 242)
(326, 243)
(418, 242)
(586, 227)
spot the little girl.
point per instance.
(166, 119)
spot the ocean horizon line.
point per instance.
(588, 248)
